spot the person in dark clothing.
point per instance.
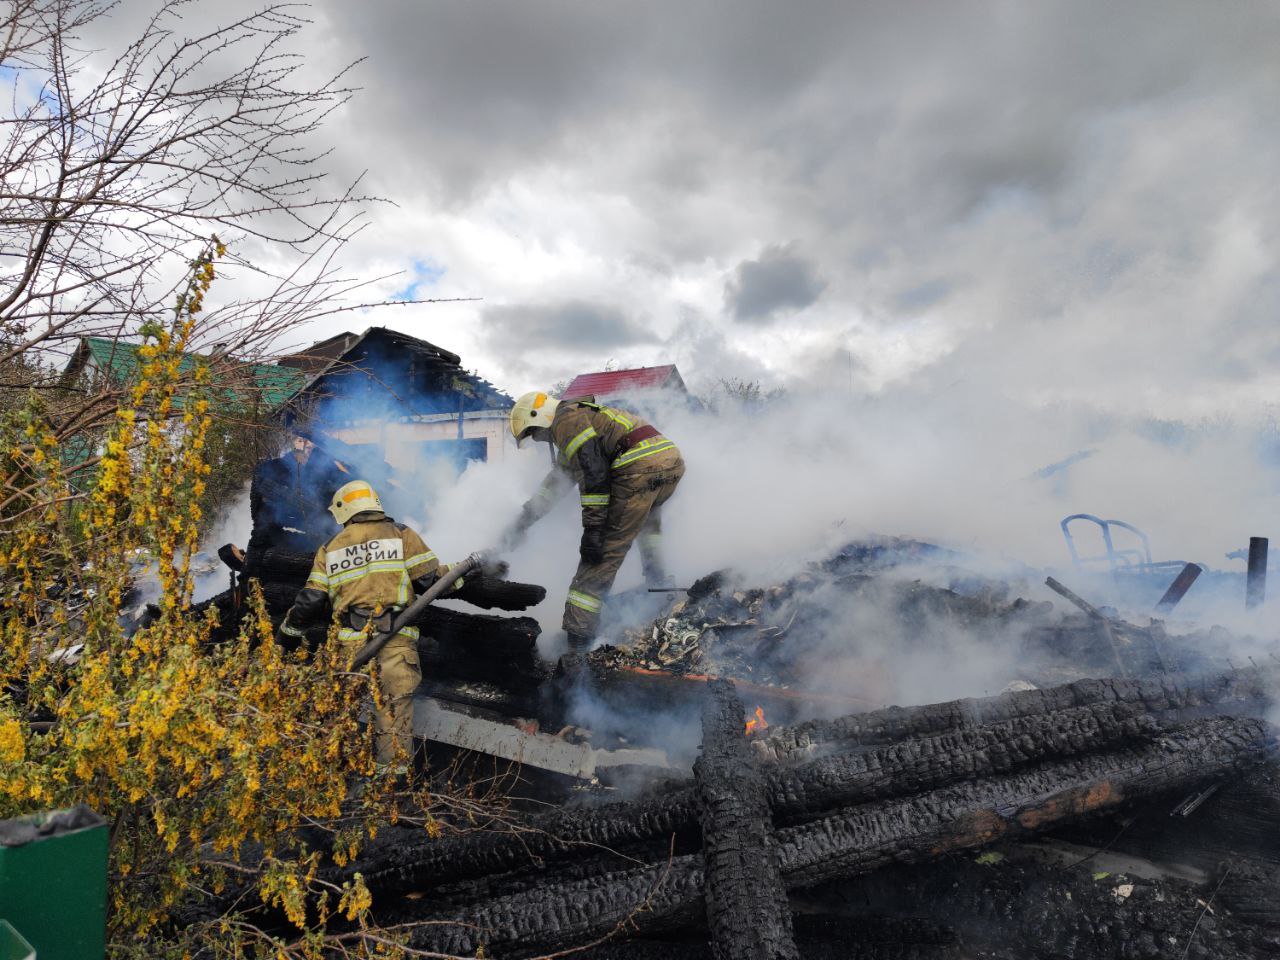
(288, 500)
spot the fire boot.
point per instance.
(579, 643)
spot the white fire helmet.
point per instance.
(531, 411)
(352, 498)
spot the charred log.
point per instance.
(492, 593)
(866, 838)
(482, 648)
(398, 866)
(1159, 696)
(747, 909)
(981, 812)
(480, 634)
(794, 795)
(662, 897)
(927, 763)
(1250, 889)
(279, 564)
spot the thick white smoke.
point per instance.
(773, 486)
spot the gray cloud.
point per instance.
(1065, 200)
(775, 281)
(567, 327)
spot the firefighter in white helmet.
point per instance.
(625, 471)
(363, 576)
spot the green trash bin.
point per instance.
(53, 882)
(12, 944)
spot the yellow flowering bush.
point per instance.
(203, 758)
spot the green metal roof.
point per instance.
(118, 361)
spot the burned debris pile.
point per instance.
(1118, 800)
(708, 854)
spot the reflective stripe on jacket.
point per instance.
(591, 444)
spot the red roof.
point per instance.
(611, 383)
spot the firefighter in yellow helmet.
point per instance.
(363, 576)
(625, 471)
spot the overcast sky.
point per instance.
(1064, 201)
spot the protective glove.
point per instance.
(514, 534)
(287, 633)
(592, 547)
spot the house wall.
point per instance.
(399, 439)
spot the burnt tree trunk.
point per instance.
(746, 902)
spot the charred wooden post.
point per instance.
(1240, 689)
(1178, 589)
(1102, 621)
(746, 902)
(1256, 586)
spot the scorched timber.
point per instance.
(794, 794)
(865, 838)
(747, 909)
(1160, 695)
(482, 648)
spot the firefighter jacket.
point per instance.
(593, 444)
(374, 564)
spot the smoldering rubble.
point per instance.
(1110, 792)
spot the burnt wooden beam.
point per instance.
(1163, 695)
(794, 794)
(746, 903)
(480, 635)
(858, 840)
(977, 813)
(911, 766)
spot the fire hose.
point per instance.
(410, 613)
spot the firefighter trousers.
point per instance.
(635, 511)
(399, 675)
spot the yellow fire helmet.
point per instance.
(352, 498)
(530, 411)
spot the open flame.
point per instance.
(758, 723)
